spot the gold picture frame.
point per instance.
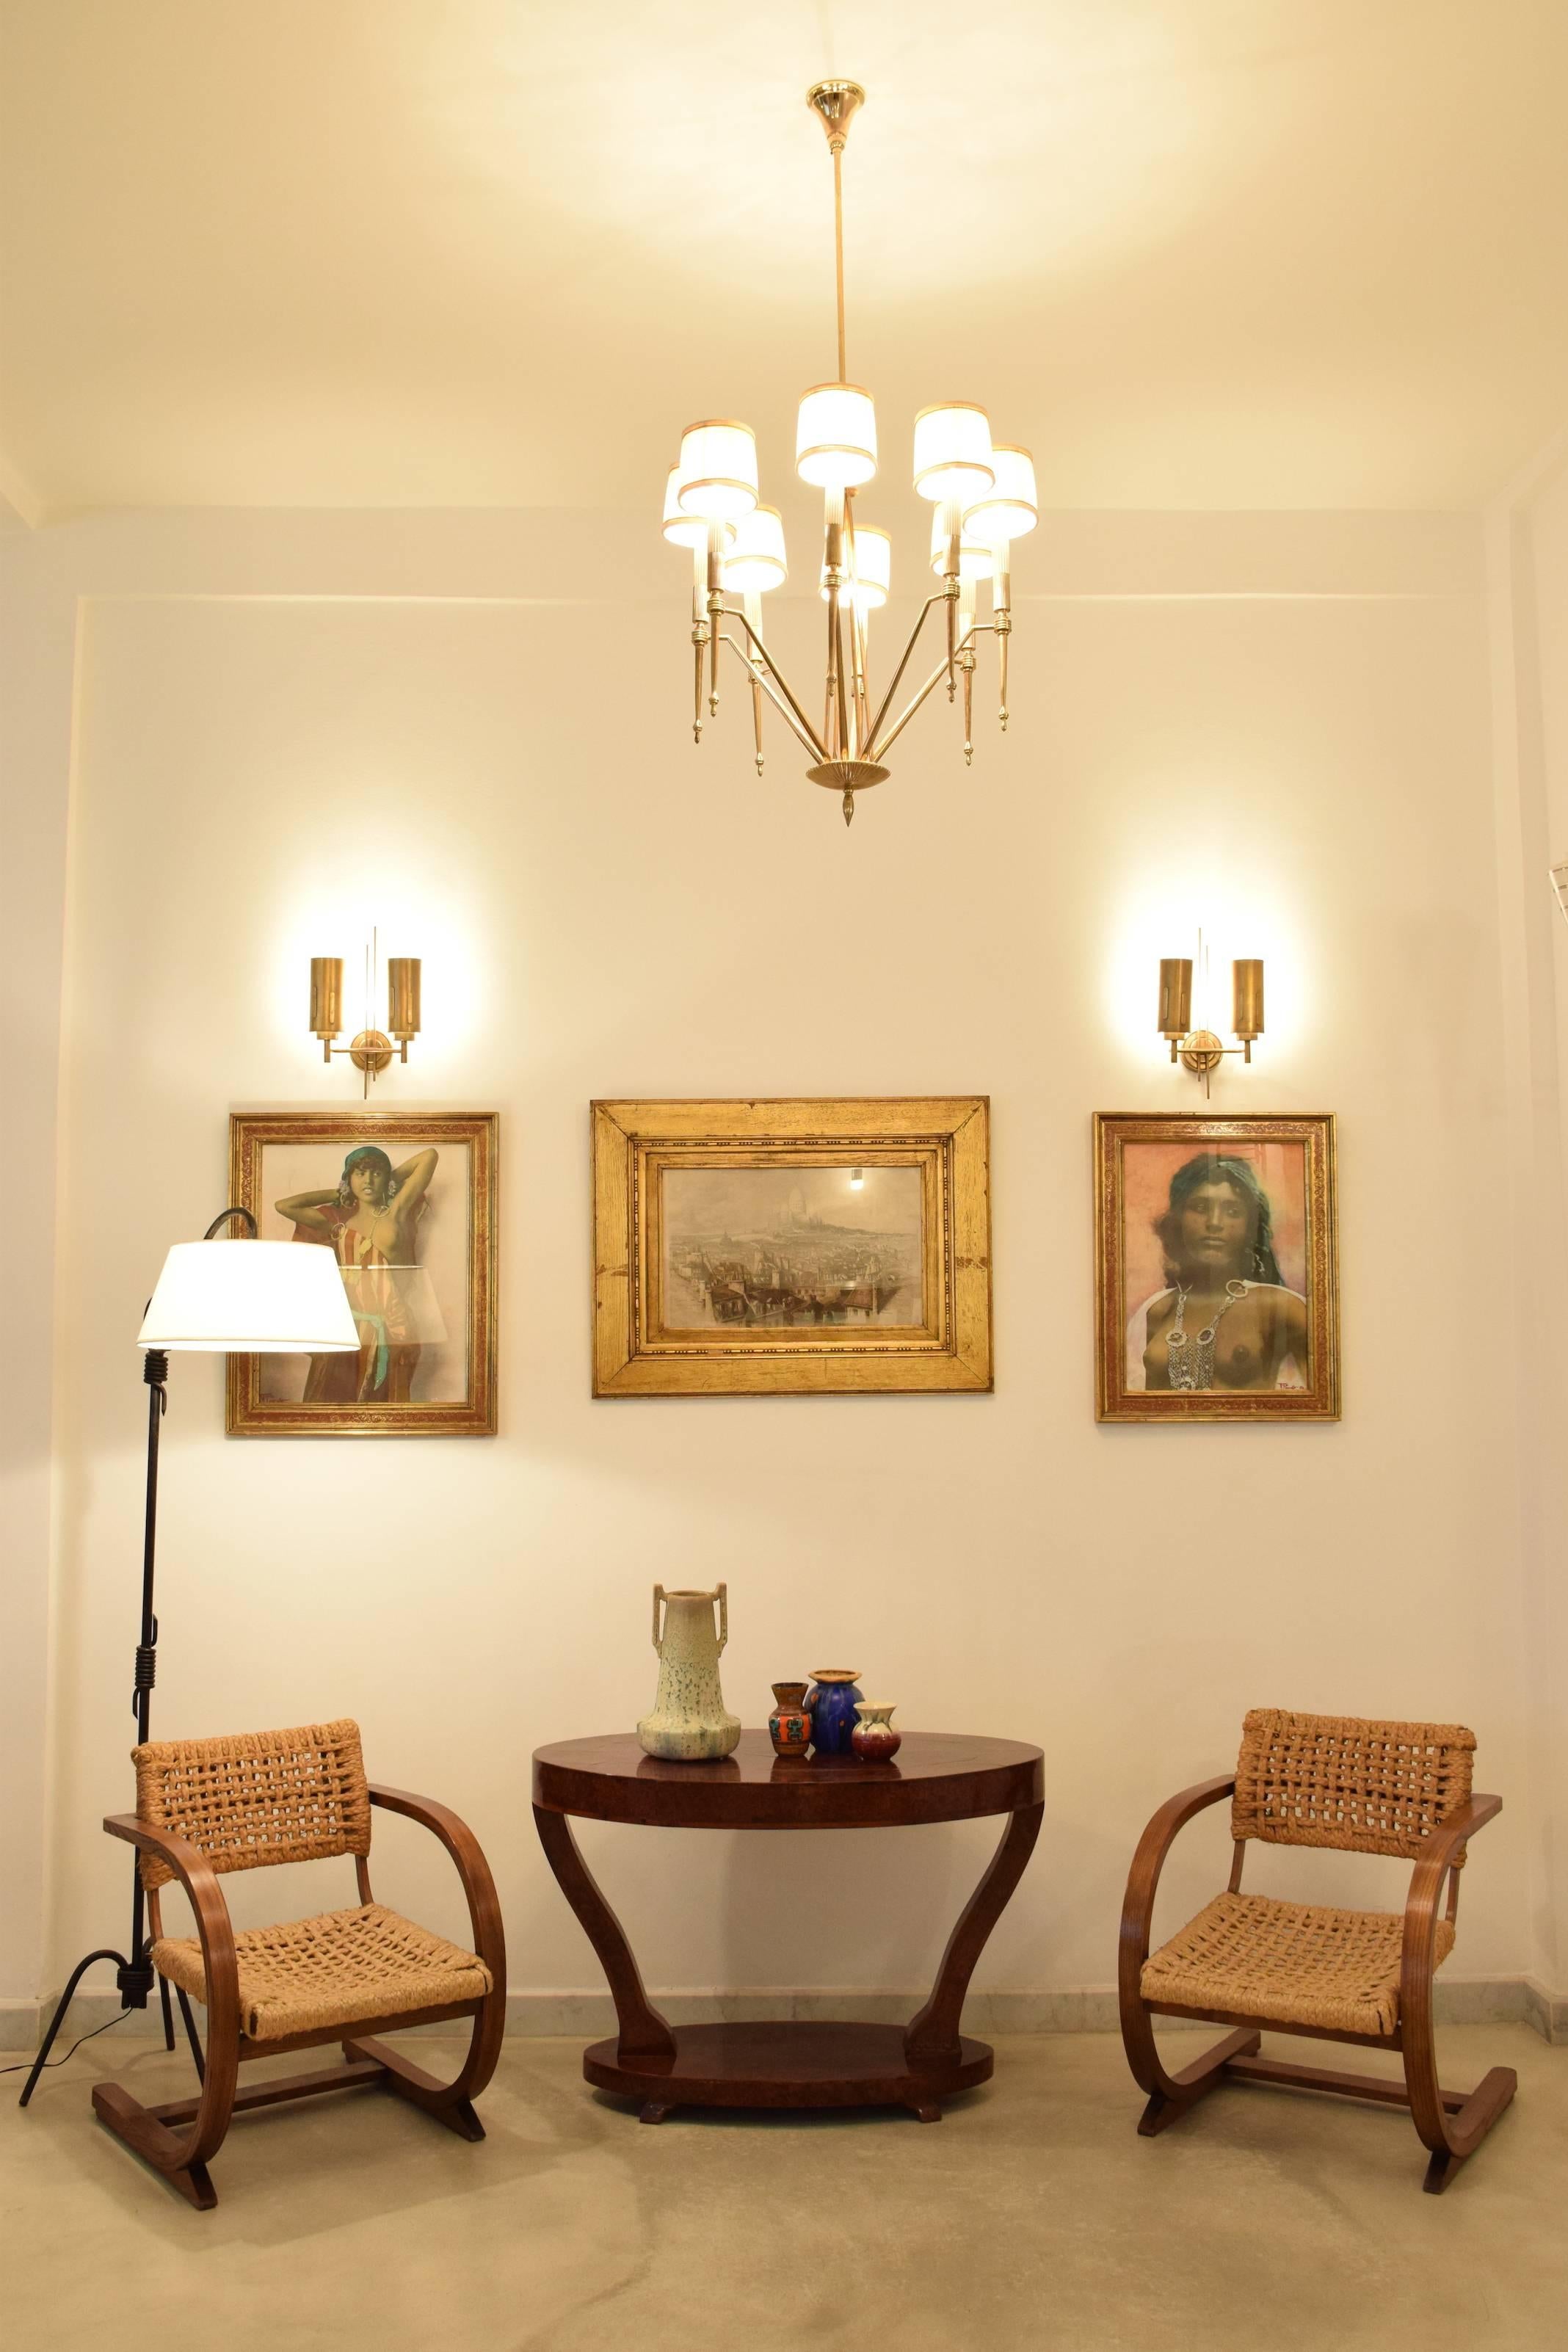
(805, 1247)
(1216, 1268)
(421, 1279)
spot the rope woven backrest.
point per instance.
(1332, 1779)
(258, 1798)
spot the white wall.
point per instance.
(289, 727)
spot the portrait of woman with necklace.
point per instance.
(1226, 1322)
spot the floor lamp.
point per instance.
(245, 1297)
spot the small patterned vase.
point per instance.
(832, 1703)
(873, 1738)
(789, 1726)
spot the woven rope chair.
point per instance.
(204, 1807)
(1248, 1961)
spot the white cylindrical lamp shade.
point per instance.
(1011, 506)
(717, 471)
(683, 530)
(756, 562)
(835, 436)
(249, 1298)
(953, 452)
(973, 554)
(873, 567)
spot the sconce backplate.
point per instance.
(371, 1050)
(1201, 1052)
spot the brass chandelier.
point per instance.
(982, 497)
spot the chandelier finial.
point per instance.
(836, 103)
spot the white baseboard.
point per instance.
(586, 2016)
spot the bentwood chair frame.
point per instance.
(1424, 1811)
(180, 2137)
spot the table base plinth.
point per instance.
(788, 2063)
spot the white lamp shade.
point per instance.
(1010, 506)
(756, 559)
(717, 471)
(973, 554)
(873, 567)
(683, 530)
(953, 452)
(249, 1298)
(835, 436)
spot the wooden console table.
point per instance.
(789, 2062)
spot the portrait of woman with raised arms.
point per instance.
(371, 1221)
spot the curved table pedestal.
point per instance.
(789, 2062)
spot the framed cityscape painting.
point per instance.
(406, 1202)
(1217, 1283)
(790, 1248)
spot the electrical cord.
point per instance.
(23, 2065)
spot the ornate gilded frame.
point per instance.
(248, 1414)
(1113, 1130)
(947, 1136)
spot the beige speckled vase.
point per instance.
(689, 1723)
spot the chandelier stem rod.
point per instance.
(838, 249)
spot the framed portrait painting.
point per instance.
(1216, 1293)
(406, 1202)
(807, 1247)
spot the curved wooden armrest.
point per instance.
(1443, 1849)
(200, 1881)
(1144, 1878)
(479, 1886)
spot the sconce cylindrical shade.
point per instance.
(757, 560)
(1175, 995)
(1010, 508)
(403, 996)
(717, 471)
(873, 567)
(1247, 996)
(953, 452)
(249, 1298)
(326, 995)
(683, 530)
(835, 436)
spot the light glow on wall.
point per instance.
(335, 915)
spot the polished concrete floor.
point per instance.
(1031, 2216)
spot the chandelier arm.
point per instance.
(810, 735)
(847, 742)
(784, 703)
(879, 749)
(872, 753)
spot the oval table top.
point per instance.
(936, 1776)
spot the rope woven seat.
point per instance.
(337, 1968)
(1253, 1957)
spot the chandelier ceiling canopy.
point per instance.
(982, 497)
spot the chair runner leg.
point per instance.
(1175, 2093)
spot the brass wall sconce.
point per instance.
(371, 1050)
(1199, 1050)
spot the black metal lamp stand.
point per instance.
(133, 1969)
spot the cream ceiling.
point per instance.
(1197, 252)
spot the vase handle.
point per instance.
(723, 1597)
(658, 1639)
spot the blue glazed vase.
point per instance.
(834, 1698)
